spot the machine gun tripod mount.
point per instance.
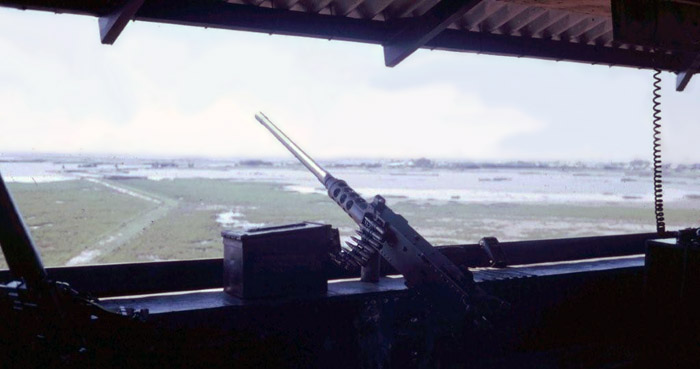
(384, 233)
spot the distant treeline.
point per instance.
(417, 163)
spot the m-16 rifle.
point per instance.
(388, 234)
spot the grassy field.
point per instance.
(138, 220)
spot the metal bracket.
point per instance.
(112, 24)
(497, 258)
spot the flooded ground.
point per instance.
(86, 210)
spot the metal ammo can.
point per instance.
(278, 261)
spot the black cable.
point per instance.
(658, 182)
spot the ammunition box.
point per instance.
(280, 261)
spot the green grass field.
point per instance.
(141, 220)
(65, 216)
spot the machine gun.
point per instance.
(383, 232)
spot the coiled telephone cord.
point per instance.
(658, 170)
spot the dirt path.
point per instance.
(131, 228)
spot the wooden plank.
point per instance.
(596, 32)
(186, 275)
(482, 11)
(503, 16)
(522, 20)
(541, 23)
(591, 7)
(583, 26)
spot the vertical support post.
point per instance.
(16, 243)
(370, 272)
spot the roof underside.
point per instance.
(589, 31)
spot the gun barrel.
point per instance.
(305, 159)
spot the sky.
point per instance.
(174, 91)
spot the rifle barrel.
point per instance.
(309, 163)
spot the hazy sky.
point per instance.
(173, 90)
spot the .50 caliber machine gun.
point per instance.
(383, 232)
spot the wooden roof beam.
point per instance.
(315, 6)
(372, 9)
(402, 10)
(522, 20)
(683, 78)
(556, 28)
(596, 32)
(479, 13)
(578, 29)
(498, 19)
(279, 4)
(254, 2)
(345, 7)
(541, 23)
(599, 8)
(416, 32)
(112, 24)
